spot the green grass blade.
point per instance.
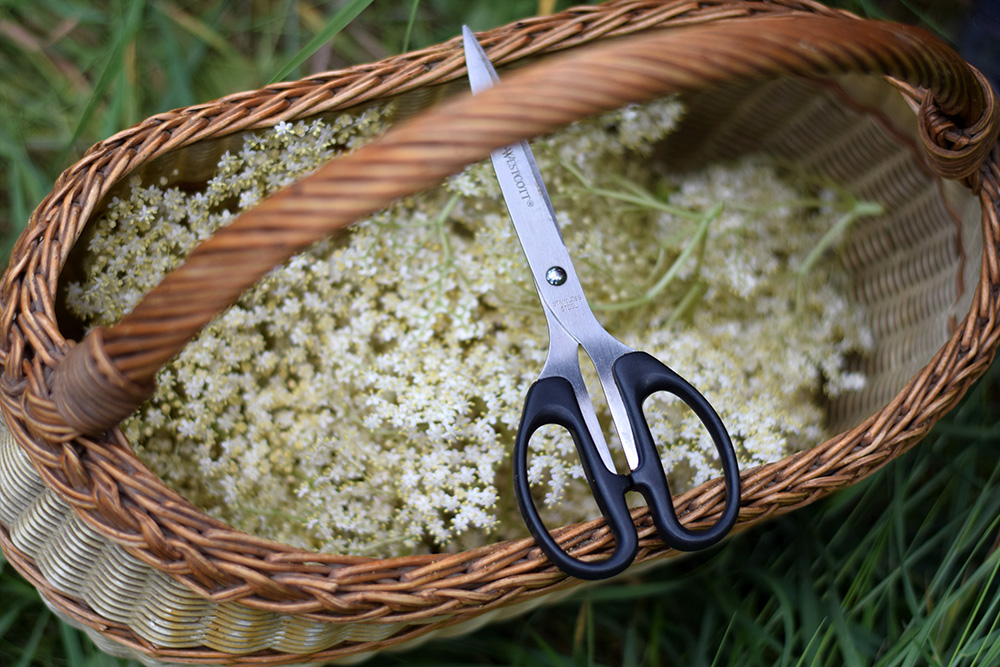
(717, 658)
(72, 646)
(411, 20)
(290, 34)
(34, 639)
(339, 21)
(113, 68)
(178, 91)
(10, 615)
(202, 28)
(991, 612)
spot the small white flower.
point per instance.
(370, 387)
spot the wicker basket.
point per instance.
(114, 551)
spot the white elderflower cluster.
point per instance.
(363, 398)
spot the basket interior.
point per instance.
(912, 269)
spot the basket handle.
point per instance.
(103, 380)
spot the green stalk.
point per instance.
(693, 244)
(639, 197)
(858, 209)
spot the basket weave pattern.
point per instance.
(113, 549)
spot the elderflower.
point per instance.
(363, 398)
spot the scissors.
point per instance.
(560, 395)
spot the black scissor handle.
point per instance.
(638, 376)
(552, 401)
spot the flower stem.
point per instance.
(637, 196)
(696, 243)
(858, 209)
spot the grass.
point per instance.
(899, 570)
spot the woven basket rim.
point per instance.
(97, 478)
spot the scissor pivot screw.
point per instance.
(556, 276)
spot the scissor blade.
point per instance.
(531, 211)
(481, 72)
(515, 164)
(552, 269)
(564, 361)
